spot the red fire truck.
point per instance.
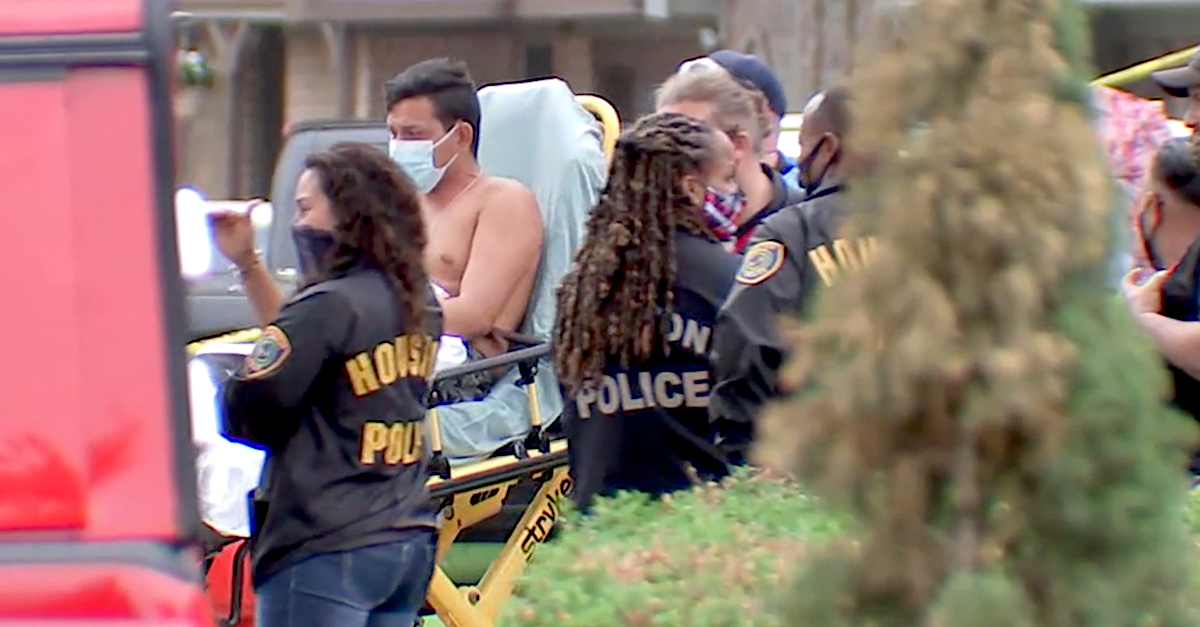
(97, 486)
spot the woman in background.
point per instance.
(343, 529)
(635, 315)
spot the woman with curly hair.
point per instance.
(635, 314)
(334, 393)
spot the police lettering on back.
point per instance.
(399, 443)
(369, 371)
(406, 356)
(637, 391)
(846, 254)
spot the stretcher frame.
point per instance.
(477, 492)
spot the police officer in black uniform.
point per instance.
(635, 315)
(706, 91)
(334, 392)
(1165, 298)
(793, 252)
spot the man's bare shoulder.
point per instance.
(515, 200)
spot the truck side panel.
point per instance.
(98, 379)
(97, 479)
(45, 17)
(44, 476)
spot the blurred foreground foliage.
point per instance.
(987, 419)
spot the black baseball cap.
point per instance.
(751, 69)
(1178, 81)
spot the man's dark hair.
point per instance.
(1177, 165)
(832, 114)
(612, 303)
(446, 83)
(377, 213)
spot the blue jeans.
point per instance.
(375, 586)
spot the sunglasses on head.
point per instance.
(699, 64)
(705, 64)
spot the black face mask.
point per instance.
(804, 167)
(314, 250)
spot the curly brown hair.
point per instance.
(378, 219)
(612, 303)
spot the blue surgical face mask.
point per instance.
(415, 157)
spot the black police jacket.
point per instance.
(782, 196)
(640, 428)
(334, 391)
(793, 253)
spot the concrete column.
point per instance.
(572, 60)
(310, 82)
(368, 92)
(229, 41)
(341, 64)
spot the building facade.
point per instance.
(277, 62)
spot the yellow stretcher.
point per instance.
(476, 492)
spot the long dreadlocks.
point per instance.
(613, 301)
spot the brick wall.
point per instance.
(493, 56)
(378, 54)
(630, 63)
(651, 61)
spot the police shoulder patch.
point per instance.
(268, 355)
(761, 262)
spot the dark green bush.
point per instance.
(714, 556)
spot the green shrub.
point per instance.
(722, 556)
(710, 557)
(978, 358)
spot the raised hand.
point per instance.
(233, 233)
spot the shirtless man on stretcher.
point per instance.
(485, 232)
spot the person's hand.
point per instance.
(1143, 294)
(233, 233)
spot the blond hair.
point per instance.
(736, 108)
